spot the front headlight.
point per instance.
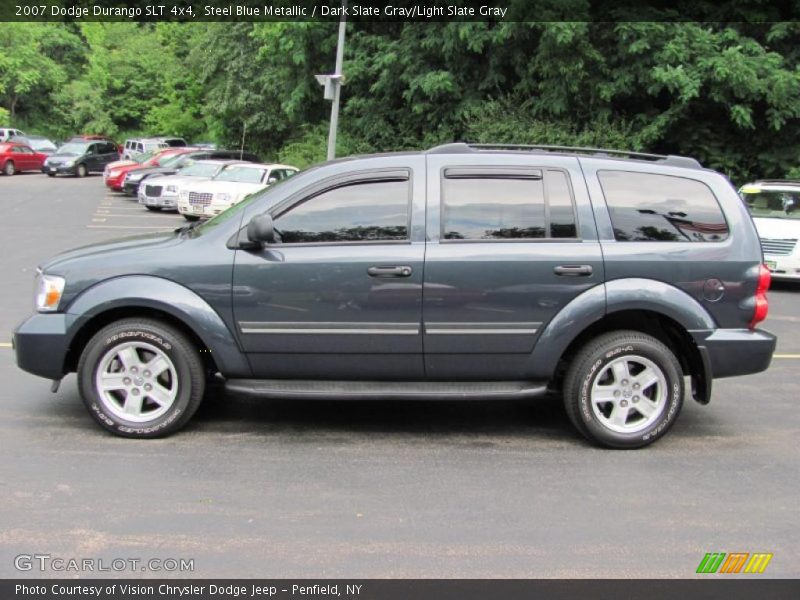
(113, 173)
(223, 197)
(184, 195)
(133, 176)
(171, 189)
(48, 292)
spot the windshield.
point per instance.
(145, 156)
(73, 148)
(241, 174)
(199, 170)
(773, 204)
(172, 161)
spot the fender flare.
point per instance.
(605, 299)
(144, 291)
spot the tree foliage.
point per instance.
(728, 94)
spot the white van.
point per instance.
(775, 207)
(138, 146)
(6, 133)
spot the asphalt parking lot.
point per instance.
(324, 489)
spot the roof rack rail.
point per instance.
(666, 159)
(795, 181)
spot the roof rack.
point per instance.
(778, 181)
(666, 159)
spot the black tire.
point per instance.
(189, 380)
(154, 208)
(590, 366)
(10, 168)
(81, 170)
(191, 218)
(51, 174)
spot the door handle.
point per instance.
(573, 270)
(392, 271)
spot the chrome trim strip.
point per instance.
(316, 328)
(481, 328)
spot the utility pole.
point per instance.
(333, 84)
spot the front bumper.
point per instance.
(732, 352)
(202, 211)
(783, 267)
(58, 170)
(131, 187)
(170, 202)
(115, 183)
(41, 344)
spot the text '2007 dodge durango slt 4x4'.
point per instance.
(461, 272)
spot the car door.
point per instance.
(338, 295)
(509, 245)
(24, 158)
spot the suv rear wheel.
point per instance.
(624, 389)
(141, 378)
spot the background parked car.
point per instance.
(6, 133)
(16, 157)
(115, 172)
(41, 144)
(163, 191)
(128, 176)
(170, 164)
(775, 207)
(81, 158)
(230, 186)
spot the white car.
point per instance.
(6, 133)
(209, 198)
(163, 191)
(775, 207)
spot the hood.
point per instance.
(103, 252)
(180, 180)
(772, 228)
(230, 187)
(150, 171)
(120, 163)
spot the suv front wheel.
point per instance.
(624, 389)
(141, 378)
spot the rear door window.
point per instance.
(649, 207)
(506, 204)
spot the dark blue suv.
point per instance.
(461, 272)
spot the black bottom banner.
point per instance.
(400, 589)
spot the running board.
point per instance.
(294, 389)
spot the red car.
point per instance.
(16, 157)
(115, 173)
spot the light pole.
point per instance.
(333, 84)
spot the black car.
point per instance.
(461, 272)
(80, 158)
(170, 166)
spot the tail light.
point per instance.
(762, 306)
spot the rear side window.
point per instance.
(645, 207)
(368, 211)
(504, 204)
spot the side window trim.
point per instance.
(506, 172)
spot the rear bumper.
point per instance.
(41, 344)
(732, 352)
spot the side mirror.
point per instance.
(260, 229)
